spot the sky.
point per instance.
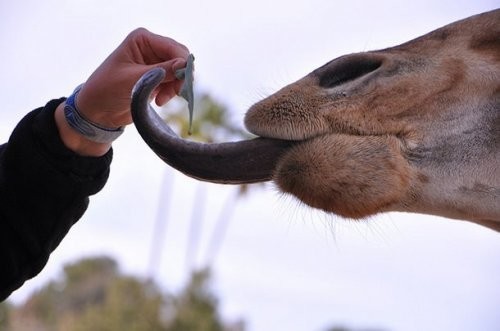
(277, 264)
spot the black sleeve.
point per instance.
(44, 190)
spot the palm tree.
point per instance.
(211, 122)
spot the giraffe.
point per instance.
(411, 128)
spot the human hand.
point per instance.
(105, 97)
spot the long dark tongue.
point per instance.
(246, 161)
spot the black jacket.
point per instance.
(44, 190)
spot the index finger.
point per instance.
(165, 48)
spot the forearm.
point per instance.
(52, 163)
(44, 190)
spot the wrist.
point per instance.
(83, 124)
(76, 141)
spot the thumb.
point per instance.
(167, 91)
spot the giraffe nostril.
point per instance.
(347, 68)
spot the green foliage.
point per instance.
(211, 120)
(129, 304)
(196, 307)
(93, 295)
(5, 309)
(83, 284)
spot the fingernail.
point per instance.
(178, 64)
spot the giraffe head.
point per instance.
(410, 128)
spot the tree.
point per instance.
(93, 294)
(196, 307)
(211, 122)
(5, 309)
(83, 284)
(128, 304)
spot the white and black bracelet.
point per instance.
(90, 130)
